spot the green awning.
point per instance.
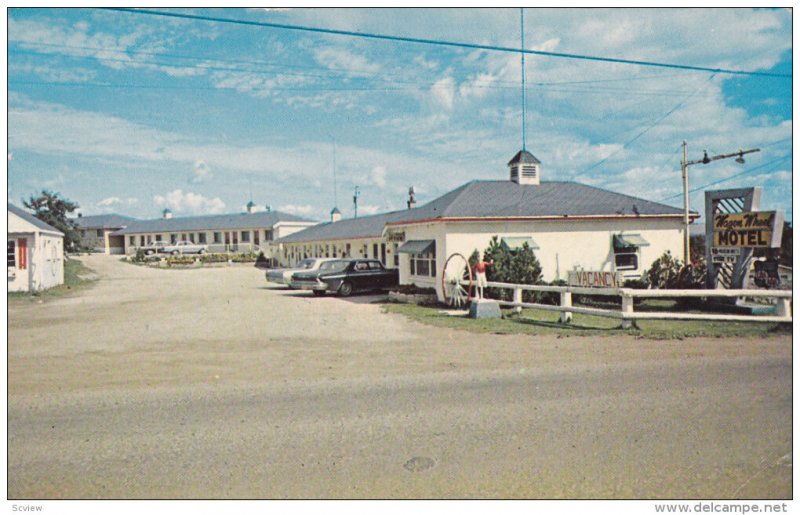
(418, 247)
(516, 243)
(622, 241)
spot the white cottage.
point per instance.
(35, 253)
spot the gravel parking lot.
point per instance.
(208, 383)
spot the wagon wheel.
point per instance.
(456, 272)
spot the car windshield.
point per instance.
(329, 266)
(305, 264)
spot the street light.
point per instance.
(685, 174)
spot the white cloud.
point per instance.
(368, 209)
(378, 176)
(194, 203)
(338, 58)
(300, 210)
(443, 92)
(202, 172)
(109, 201)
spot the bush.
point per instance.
(413, 289)
(668, 273)
(179, 260)
(511, 266)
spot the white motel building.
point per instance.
(570, 227)
(238, 232)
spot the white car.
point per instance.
(284, 275)
(185, 247)
(155, 247)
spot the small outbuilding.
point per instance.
(35, 253)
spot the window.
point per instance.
(626, 261)
(626, 250)
(423, 265)
(245, 236)
(142, 240)
(374, 265)
(173, 238)
(217, 237)
(191, 237)
(374, 251)
(184, 237)
(201, 237)
(12, 254)
(347, 250)
(396, 255)
(267, 235)
(235, 237)
(132, 241)
(158, 237)
(99, 233)
(149, 238)
(383, 254)
(256, 235)
(334, 250)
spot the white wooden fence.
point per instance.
(783, 309)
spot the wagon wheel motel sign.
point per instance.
(734, 227)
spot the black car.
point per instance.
(344, 276)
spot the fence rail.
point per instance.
(783, 308)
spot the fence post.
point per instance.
(783, 308)
(566, 301)
(517, 299)
(627, 307)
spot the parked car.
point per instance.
(154, 247)
(185, 247)
(344, 276)
(284, 275)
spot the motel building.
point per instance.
(571, 227)
(239, 232)
(97, 232)
(35, 253)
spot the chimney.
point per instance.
(80, 215)
(166, 214)
(267, 208)
(251, 207)
(412, 200)
(336, 215)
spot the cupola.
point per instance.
(524, 168)
(336, 215)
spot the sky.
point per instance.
(132, 113)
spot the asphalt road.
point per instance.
(98, 409)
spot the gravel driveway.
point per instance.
(208, 383)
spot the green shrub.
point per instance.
(511, 266)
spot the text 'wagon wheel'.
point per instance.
(457, 280)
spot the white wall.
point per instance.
(45, 262)
(563, 246)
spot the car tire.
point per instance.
(345, 289)
(202, 251)
(319, 293)
(174, 252)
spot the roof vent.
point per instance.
(166, 214)
(336, 215)
(524, 168)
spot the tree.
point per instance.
(52, 209)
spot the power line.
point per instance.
(645, 131)
(381, 79)
(473, 46)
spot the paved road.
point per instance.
(115, 406)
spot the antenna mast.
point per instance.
(522, 37)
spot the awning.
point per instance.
(622, 241)
(417, 247)
(516, 243)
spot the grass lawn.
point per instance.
(535, 321)
(73, 281)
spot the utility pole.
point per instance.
(356, 194)
(685, 175)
